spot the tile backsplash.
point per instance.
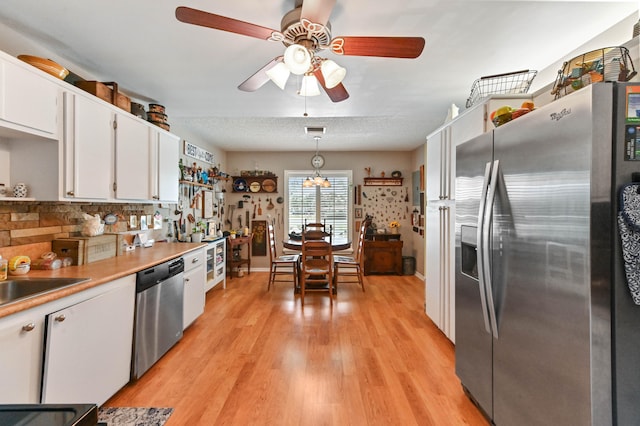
(27, 228)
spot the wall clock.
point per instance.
(317, 161)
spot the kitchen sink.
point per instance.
(19, 288)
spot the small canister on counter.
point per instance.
(46, 263)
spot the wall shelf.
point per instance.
(383, 181)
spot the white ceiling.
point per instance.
(393, 103)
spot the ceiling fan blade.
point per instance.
(388, 47)
(206, 19)
(259, 78)
(337, 93)
(317, 11)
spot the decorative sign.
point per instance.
(198, 153)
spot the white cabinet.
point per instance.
(21, 340)
(164, 166)
(439, 229)
(88, 148)
(194, 279)
(28, 99)
(66, 144)
(216, 264)
(88, 346)
(146, 163)
(133, 158)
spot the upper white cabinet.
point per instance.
(164, 170)
(28, 100)
(146, 162)
(88, 148)
(133, 158)
(68, 145)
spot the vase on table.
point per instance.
(394, 230)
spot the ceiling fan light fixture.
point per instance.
(279, 74)
(297, 58)
(333, 73)
(309, 86)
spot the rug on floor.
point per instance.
(128, 416)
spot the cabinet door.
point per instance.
(193, 294)
(88, 347)
(21, 338)
(133, 158)
(88, 148)
(167, 174)
(439, 267)
(28, 99)
(440, 173)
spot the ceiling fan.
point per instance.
(305, 31)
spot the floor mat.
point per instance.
(127, 416)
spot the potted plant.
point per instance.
(197, 230)
(394, 227)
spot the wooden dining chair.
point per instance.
(281, 266)
(317, 231)
(316, 267)
(350, 268)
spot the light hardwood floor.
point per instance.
(258, 358)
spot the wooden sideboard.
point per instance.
(383, 257)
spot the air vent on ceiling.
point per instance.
(315, 131)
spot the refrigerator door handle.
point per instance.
(480, 248)
(486, 231)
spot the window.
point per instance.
(317, 204)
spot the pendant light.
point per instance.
(317, 179)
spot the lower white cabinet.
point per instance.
(21, 340)
(195, 276)
(88, 347)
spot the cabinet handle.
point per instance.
(71, 194)
(156, 197)
(28, 327)
(60, 318)
(186, 280)
(195, 260)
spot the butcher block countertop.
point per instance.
(100, 272)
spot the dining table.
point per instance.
(337, 244)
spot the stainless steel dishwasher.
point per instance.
(159, 305)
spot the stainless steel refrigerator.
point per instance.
(546, 329)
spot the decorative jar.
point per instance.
(20, 190)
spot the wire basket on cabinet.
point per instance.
(508, 83)
(606, 64)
